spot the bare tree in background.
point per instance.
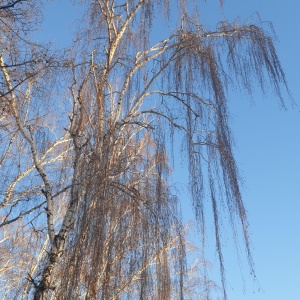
(86, 137)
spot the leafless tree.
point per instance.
(87, 139)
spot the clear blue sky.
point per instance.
(268, 153)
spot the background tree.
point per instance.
(90, 153)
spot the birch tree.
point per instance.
(87, 136)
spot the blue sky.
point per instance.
(268, 147)
(267, 151)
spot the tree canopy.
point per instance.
(86, 205)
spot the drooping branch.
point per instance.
(12, 4)
(38, 165)
(98, 146)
